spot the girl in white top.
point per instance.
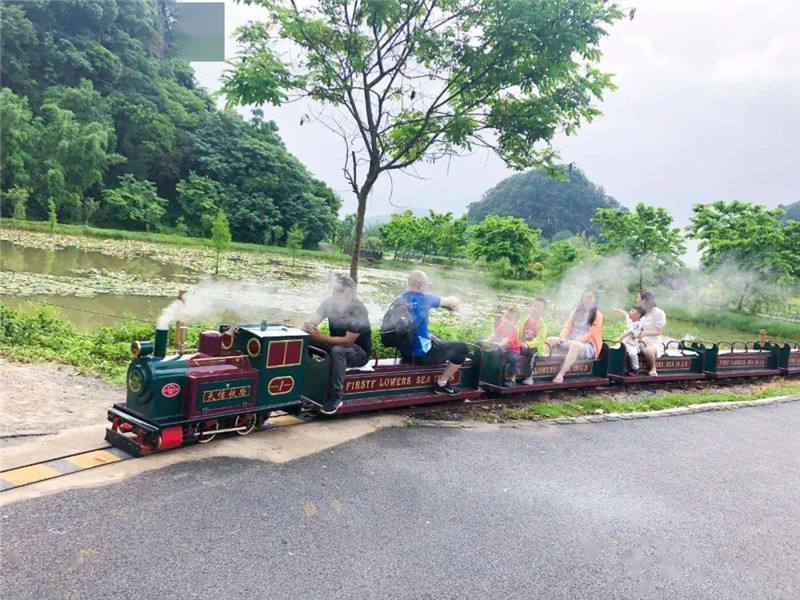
(653, 323)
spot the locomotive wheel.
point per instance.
(205, 436)
(247, 421)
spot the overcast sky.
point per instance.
(707, 108)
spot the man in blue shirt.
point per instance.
(428, 349)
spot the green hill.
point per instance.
(94, 90)
(792, 211)
(545, 203)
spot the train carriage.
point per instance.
(388, 383)
(584, 373)
(741, 360)
(788, 356)
(678, 363)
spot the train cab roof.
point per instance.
(271, 330)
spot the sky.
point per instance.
(707, 108)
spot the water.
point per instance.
(91, 288)
(74, 261)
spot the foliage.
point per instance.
(17, 198)
(134, 203)
(749, 238)
(560, 205)
(294, 240)
(421, 80)
(507, 243)
(749, 325)
(646, 235)
(220, 235)
(93, 91)
(198, 199)
(562, 255)
(52, 217)
(37, 333)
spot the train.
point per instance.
(241, 374)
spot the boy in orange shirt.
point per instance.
(506, 337)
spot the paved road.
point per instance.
(702, 506)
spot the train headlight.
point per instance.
(135, 381)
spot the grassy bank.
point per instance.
(593, 404)
(724, 319)
(34, 332)
(166, 238)
(37, 333)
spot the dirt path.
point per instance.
(41, 399)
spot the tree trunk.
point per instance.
(216, 269)
(359, 232)
(743, 296)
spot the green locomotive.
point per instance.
(233, 382)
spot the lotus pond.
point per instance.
(102, 281)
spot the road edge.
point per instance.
(606, 417)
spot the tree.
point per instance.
(134, 203)
(505, 241)
(52, 216)
(198, 199)
(344, 232)
(454, 236)
(429, 232)
(407, 80)
(220, 236)
(646, 235)
(400, 232)
(749, 237)
(86, 83)
(562, 255)
(294, 240)
(17, 197)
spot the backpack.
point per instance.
(397, 327)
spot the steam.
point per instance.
(295, 296)
(216, 300)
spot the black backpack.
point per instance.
(397, 327)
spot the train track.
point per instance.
(52, 468)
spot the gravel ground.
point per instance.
(41, 399)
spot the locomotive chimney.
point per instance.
(161, 343)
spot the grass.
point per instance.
(592, 404)
(725, 319)
(167, 238)
(36, 333)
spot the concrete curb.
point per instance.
(652, 414)
(673, 412)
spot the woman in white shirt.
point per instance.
(653, 323)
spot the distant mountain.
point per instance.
(546, 203)
(792, 211)
(384, 218)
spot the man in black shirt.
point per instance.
(350, 341)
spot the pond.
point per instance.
(100, 282)
(94, 281)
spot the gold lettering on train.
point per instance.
(735, 361)
(226, 393)
(355, 385)
(551, 369)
